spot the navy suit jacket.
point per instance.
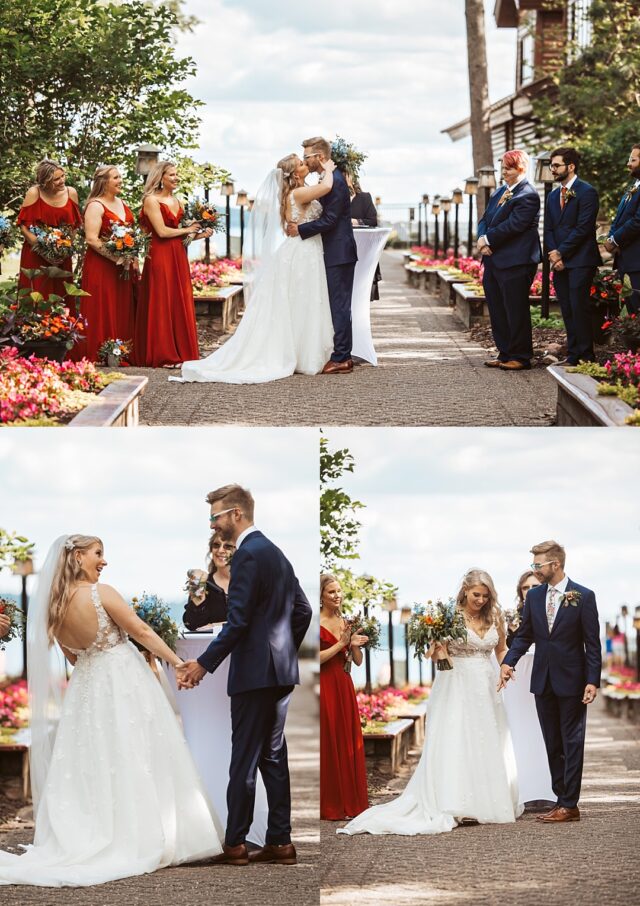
(570, 655)
(267, 617)
(512, 229)
(334, 225)
(572, 229)
(625, 231)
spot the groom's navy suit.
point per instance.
(267, 617)
(340, 257)
(625, 231)
(566, 659)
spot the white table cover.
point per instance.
(206, 719)
(370, 242)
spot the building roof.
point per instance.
(515, 105)
(505, 12)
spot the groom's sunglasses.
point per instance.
(213, 518)
(538, 565)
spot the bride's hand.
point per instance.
(329, 166)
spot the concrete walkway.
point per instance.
(259, 885)
(592, 862)
(429, 373)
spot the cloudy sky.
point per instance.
(143, 492)
(440, 502)
(387, 75)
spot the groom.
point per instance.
(267, 617)
(561, 617)
(340, 252)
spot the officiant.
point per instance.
(363, 214)
(208, 591)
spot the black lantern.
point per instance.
(228, 189)
(435, 210)
(470, 189)
(147, 157)
(242, 200)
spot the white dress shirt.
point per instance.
(570, 183)
(241, 537)
(560, 589)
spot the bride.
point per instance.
(287, 325)
(115, 791)
(467, 768)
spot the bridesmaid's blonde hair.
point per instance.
(99, 182)
(326, 579)
(155, 177)
(490, 613)
(67, 573)
(45, 171)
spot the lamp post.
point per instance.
(24, 569)
(456, 198)
(425, 202)
(405, 616)
(228, 189)
(242, 201)
(207, 177)
(446, 207)
(487, 181)
(544, 174)
(146, 158)
(470, 189)
(367, 654)
(636, 626)
(391, 604)
(435, 210)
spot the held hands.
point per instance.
(555, 260)
(590, 693)
(189, 674)
(610, 246)
(357, 640)
(292, 229)
(506, 673)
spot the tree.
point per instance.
(339, 529)
(14, 549)
(478, 89)
(592, 103)
(85, 81)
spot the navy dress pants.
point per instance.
(573, 290)
(507, 294)
(563, 720)
(340, 283)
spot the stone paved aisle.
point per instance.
(429, 373)
(592, 862)
(259, 885)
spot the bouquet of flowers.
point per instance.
(360, 625)
(436, 622)
(53, 243)
(204, 214)
(512, 618)
(155, 613)
(119, 350)
(196, 584)
(347, 157)
(6, 234)
(15, 614)
(128, 242)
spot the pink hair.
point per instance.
(518, 160)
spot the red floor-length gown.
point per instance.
(109, 309)
(343, 774)
(40, 212)
(165, 332)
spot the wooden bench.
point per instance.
(417, 712)
(580, 406)
(389, 747)
(468, 307)
(447, 283)
(117, 406)
(21, 750)
(227, 299)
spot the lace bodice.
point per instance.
(109, 634)
(312, 212)
(475, 646)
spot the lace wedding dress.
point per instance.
(467, 768)
(122, 796)
(287, 325)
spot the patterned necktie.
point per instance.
(563, 196)
(551, 607)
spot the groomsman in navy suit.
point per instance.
(570, 236)
(561, 617)
(509, 243)
(624, 235)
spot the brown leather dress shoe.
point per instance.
(273, 854)
(232, 855)
(514, 366)
(338, 367)
(562, 814)
(493, 363)
(547, 814)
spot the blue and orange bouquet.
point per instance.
(204, 214)
(7, 234)
(15, 614)
(127, 242)
(53, 243)
(437, 622)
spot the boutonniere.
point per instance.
(569, 194)
(630, 192)
(508, 195)
(571, 598)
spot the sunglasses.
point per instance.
(213, 518)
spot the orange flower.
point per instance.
(128, 240)
(118, 243)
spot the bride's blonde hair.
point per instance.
(67, 573)
(490, 613)
(287, 166)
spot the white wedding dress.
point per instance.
(467, 768)
(122, 796)
(287, 325)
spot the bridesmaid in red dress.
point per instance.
(49, 202)
(108, 309)
(165, 333)
(343, 774)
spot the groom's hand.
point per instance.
(590, 693)
(292, 229)
(506, 673)
(189, 674)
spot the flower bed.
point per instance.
(618, 377)
(626, 689)
(14, 706)
(208, 278)
(40, 392)
(382, 707)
